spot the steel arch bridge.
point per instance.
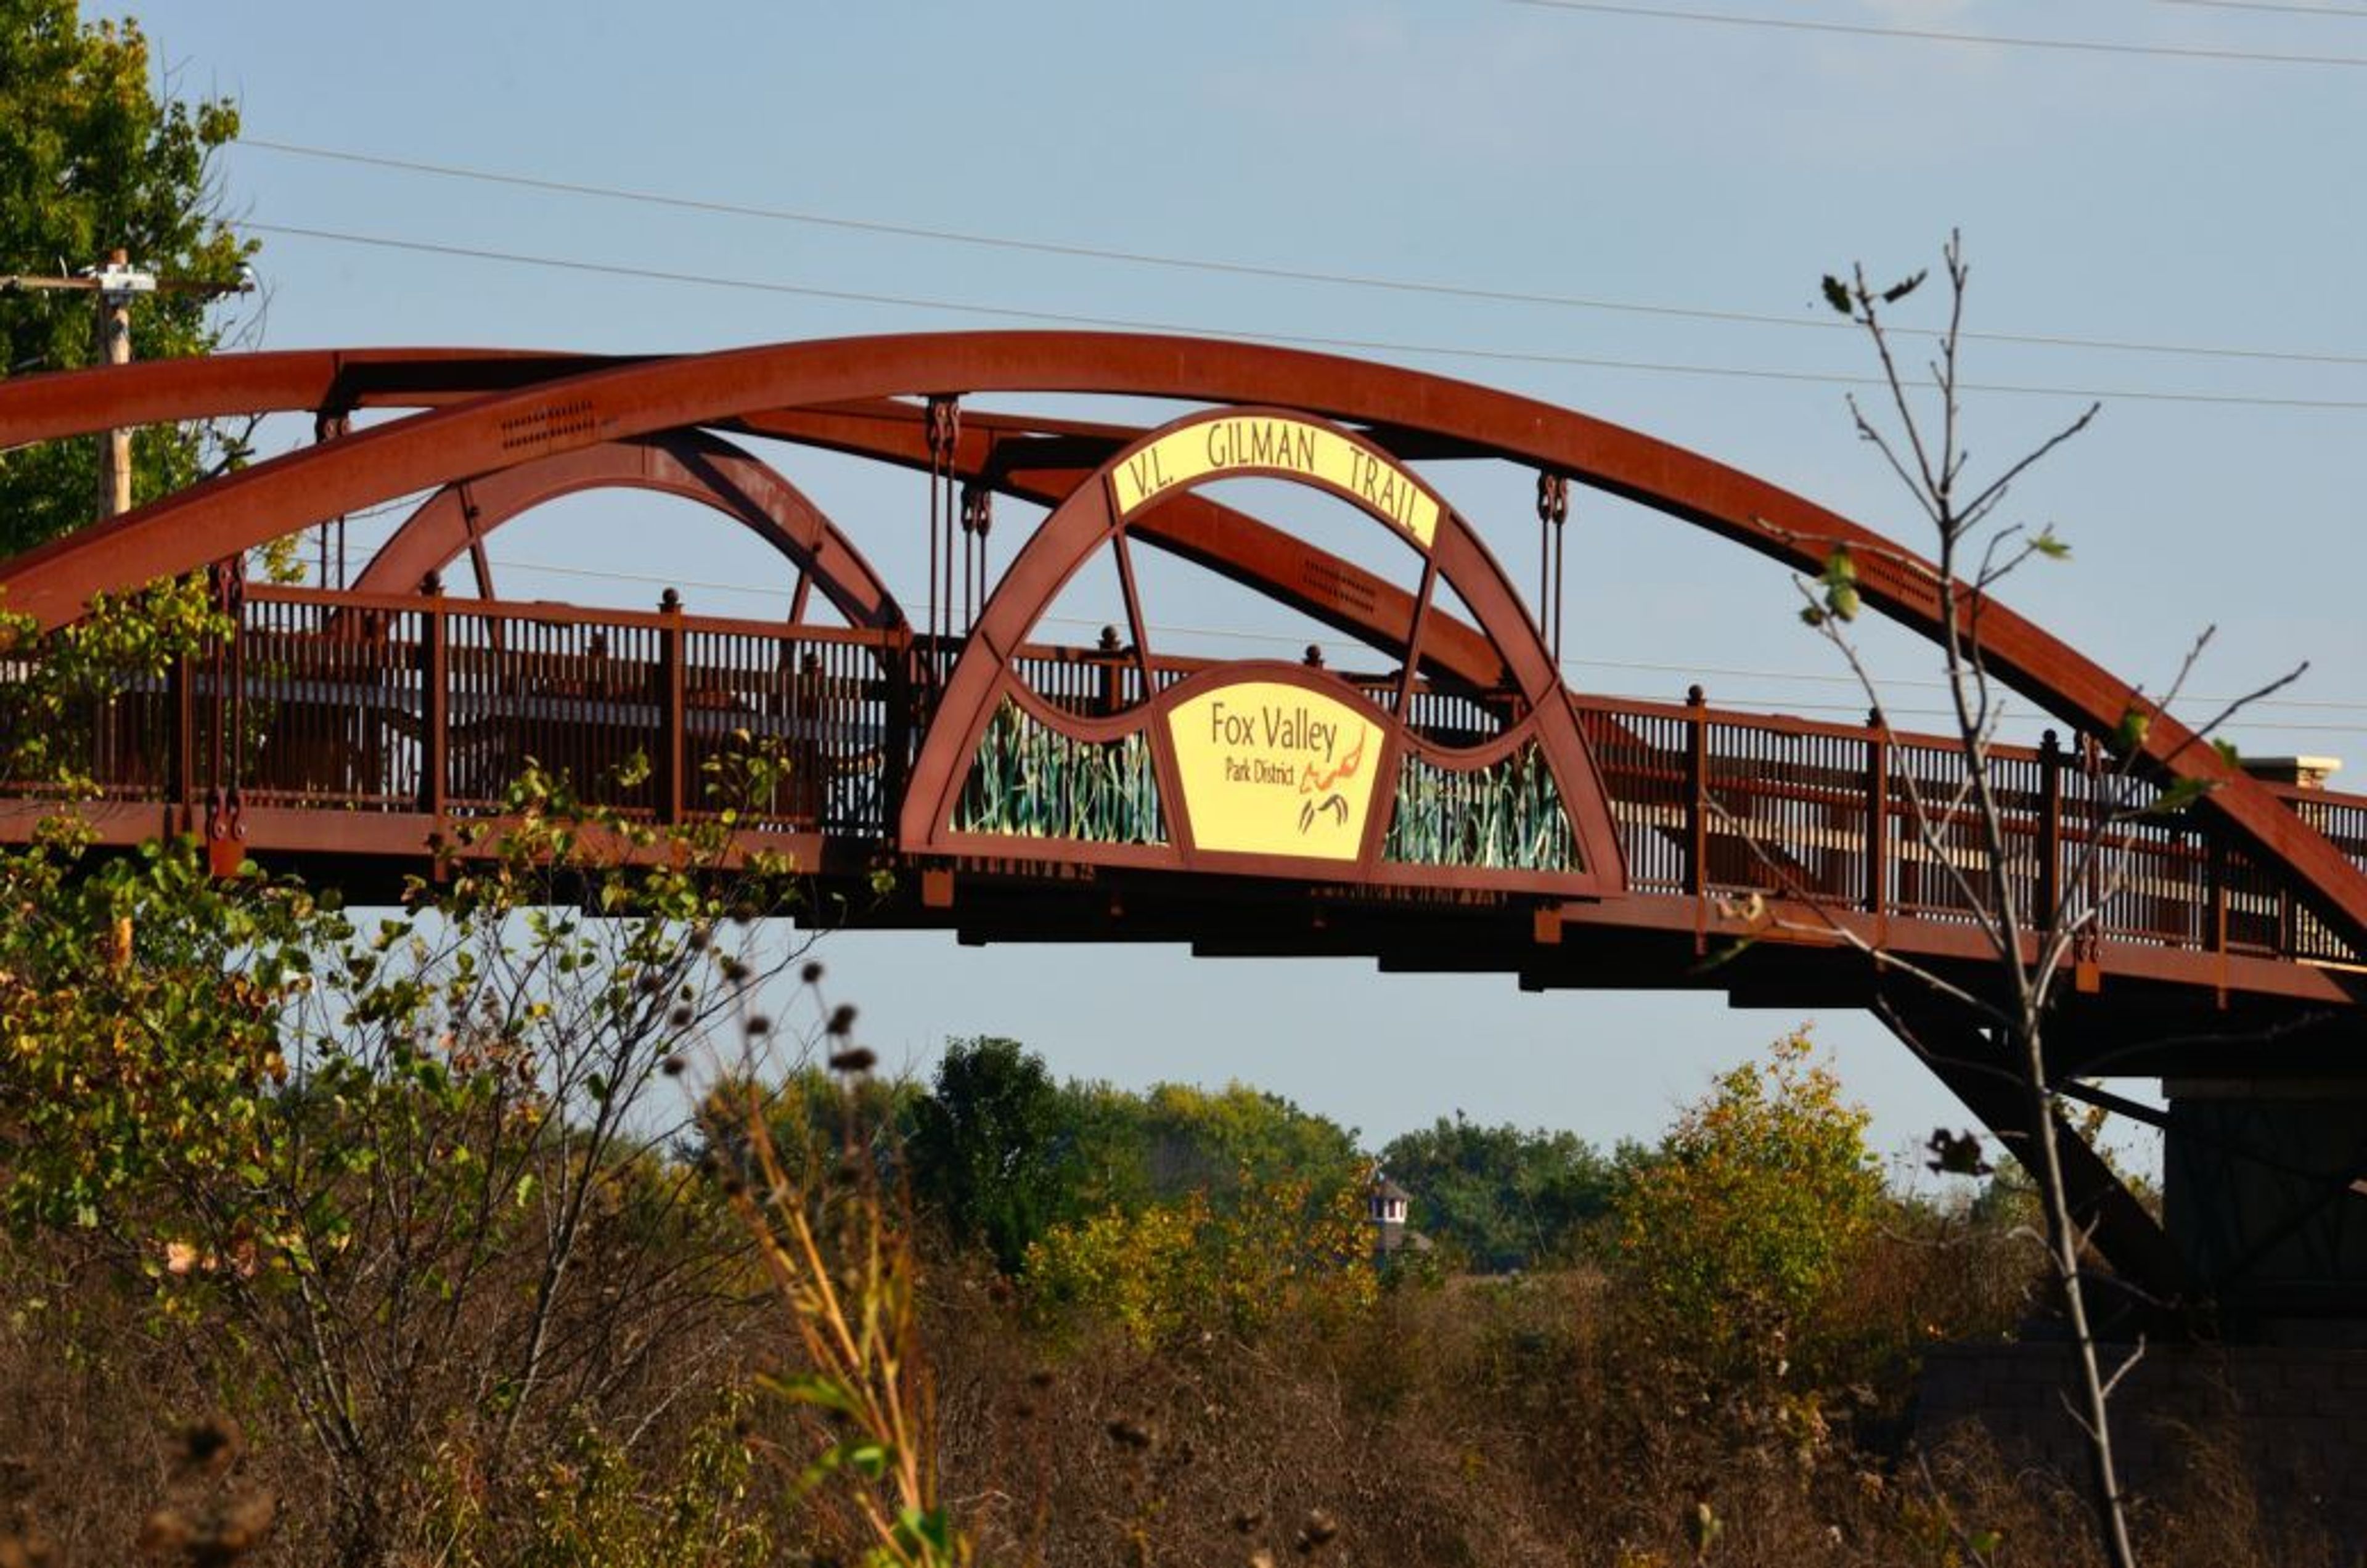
(1451, 805)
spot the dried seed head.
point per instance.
(757, 1025)
(212, 1445)
(842, 1019)
(744, 912)
(699, 937)
(855, 1059)
(812, 973)
(671, 1067)
(167, 1532)
(648, 981)
(243, 1524)
(733, 970)
(681, 1016)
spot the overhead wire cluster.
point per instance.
(1994, 40)
(1823, 324)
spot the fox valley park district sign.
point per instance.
(1269, 768)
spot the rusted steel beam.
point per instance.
(162, 391)
(2115, 1222)
(53, 583)
(998, 450)
(1952, 945)
(688, 464)
(1057, 455)
(1089, 520)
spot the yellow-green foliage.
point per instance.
(1142, 1271)
(1737, 1231)
(706, 1506)
(1168, 1270)
(51, 714)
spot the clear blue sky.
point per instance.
(2158, 192)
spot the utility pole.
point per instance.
(117, 283)
(114, 285)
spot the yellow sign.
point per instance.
(1277, 445)
(1275, 770)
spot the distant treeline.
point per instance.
(1003, 1152)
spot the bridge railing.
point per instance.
(403, 704)
(398, 703)
(1717, 804)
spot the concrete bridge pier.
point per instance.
(2265, 1196)
(2265, 1201)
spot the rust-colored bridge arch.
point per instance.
(1130, 484)
(2250, 926)
(688, 464)
(558, 414)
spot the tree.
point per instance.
(1226, 1141)
(1168, 1272)
(1504, 1198)
(416, 1168)
(1003, 1152)
(1738, 1226)
(94, 158)
(1999, 1026)
(992, 1147)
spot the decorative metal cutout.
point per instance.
(1030, 780)
(1505, 817)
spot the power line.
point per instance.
(1254, 269)
(2273, 5)
(1367, 345)
(1926, 35)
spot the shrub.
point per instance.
(1170, 1271)
(1735, 1230)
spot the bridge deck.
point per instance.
(344, 729)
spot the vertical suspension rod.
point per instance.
(977, 518)
(327, 426)
(1561, 570)
(1553, 512)
(944, 433)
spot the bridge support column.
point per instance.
(2158, 1282)
(2265, 1195)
